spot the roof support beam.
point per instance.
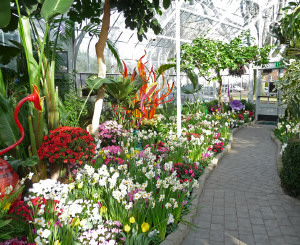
(211, 18)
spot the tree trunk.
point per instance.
(220, 90)
(100, 45)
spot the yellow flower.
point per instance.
(7, 206)
(218, 117)
(233, 115)
(71, 186)
(75, 222)
(128, 156)
(57, 242)
(103, 210)
(132, 220)
(145, 227)
(154, 163)
(127, 228)
(80, 185)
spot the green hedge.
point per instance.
(290, 173)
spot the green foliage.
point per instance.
(290, 87)
(248, 106)
(142, 10)
(28, 162)
(8, 128)
(289, 25)
(4, 13)
(71, 107)
(209, 57)
(290, 173)
(52, 8)
(196, 87)
(192, 108)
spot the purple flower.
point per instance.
(236, 105)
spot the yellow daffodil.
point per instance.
(145, 227)
(57, 242)
(127, 228)
(103, 210)
(80, 185)
(132, 220)
(7, 206)
(128, 156)
(71, 186)
(75, 222)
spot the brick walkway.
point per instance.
(242, 201)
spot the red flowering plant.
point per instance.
(186, 171)
(67, 145)
(216, 147)
(21, 210)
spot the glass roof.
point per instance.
(218, 19)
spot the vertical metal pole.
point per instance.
(251, 84)
(178, 68)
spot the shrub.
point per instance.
(70, 109)
(290, 173)
(248, 106)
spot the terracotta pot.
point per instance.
(7, 177)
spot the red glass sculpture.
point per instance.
(7, 175)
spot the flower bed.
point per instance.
(136, 188)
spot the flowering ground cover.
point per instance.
(129, 186)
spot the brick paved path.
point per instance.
(242, 201)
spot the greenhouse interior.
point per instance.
(173, 122)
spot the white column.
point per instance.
(178, 68)
(251, 84)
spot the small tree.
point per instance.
(210, 57)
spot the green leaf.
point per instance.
(8, 129)
(32, 65)
(8, 53)
(4, 13)
(31, 5)
(51, 8)
(5, 222)
(2, 85)
(29, 162)
(166, 4)
(95, 82)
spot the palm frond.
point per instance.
(113, 49)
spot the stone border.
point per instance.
(177, 237)
(279, 156)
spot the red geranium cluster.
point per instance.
(21, 209)
(185, 171)
(217, 147)
(67, 145)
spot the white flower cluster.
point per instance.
(49, 189)
(87, 211)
